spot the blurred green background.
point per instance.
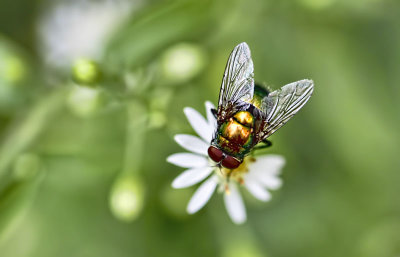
(92, 93)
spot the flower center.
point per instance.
(235, 174)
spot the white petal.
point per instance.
(191, 177)
(192, 143)
(270, 182)
(257, 190)
(202, 195)
(199, 124)
(210, 117)
(234, 205)
(188, 160)
(265, 179)
(271, 164)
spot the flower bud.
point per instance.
(12, 70)
(242, 247)
(127, 198)
(157, 119)
(86, 72)
(183, 62)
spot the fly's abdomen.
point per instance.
(236, 135)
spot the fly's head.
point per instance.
(226, 160)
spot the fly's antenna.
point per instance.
(218, 165)
(219, 168)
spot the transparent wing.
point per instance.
(280, 105)
(238, 82)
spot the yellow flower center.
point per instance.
(236, 174)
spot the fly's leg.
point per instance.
(266, 144)
(214, 112)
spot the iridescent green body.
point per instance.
(248, 114)
(236, 135)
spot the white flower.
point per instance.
(72, 29)
(257, 175)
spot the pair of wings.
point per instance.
(238, 87)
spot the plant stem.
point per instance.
(24, 132)
(135, 136)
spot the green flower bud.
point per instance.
(13, 65)
(12, 69)
(86, 72)
(242, 249)
(245, 246)
(182, 62)
(127, 198)
(157, 119)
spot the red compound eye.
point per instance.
(215, 154)
(230, 162)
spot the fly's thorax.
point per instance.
(245, 118)
(235, 132)
(239, 128)
(235, 136)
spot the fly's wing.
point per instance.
(282, 104)
(237, 84)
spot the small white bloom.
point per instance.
(257, 175)
(72, 29)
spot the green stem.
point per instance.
(135, 139)
(24, 132)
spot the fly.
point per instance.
(248, 114)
